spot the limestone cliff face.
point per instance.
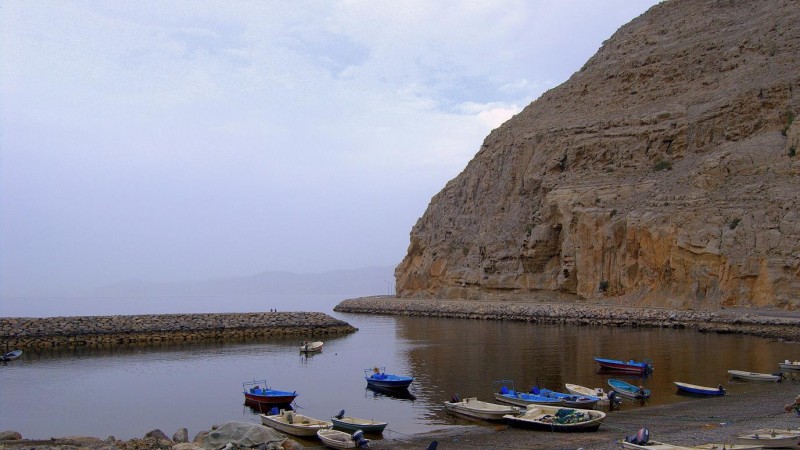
(662, 173)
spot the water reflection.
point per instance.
(401, 394)
(445, 356)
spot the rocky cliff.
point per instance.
(663, 173)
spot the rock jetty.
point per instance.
(763, 323)
(49, 332)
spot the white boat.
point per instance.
(790, 365)
(654, 445)
(340, 439)
(754, 376)
(295, 424)
(474, 408)
(554, 418)
(310, 347)
(771, 438)
(354, 424)
(577, 389)
(724, 446)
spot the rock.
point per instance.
(186, 446)
(157, 434)
(660, 174)
(182, 435)
(291, 445)
(9, 435)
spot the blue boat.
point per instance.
(256, 392)
(628, 390)
(630, 366)
(699, 390)
(514, 397)
(571, 400)
(378, 378)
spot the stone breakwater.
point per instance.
(757, 323)
(49, 332)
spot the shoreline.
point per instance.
(766, 323)
(692, 422)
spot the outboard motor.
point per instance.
(433, 445)
(455, 399)
(641, 438)
(358, 438)
(340, 415)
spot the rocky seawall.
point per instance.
(49, 332)
(768, 324)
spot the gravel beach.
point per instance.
(693, 422)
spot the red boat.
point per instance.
(255, 393)
(639, 368)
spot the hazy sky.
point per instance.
(181, 140)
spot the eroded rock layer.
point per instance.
(663, 173)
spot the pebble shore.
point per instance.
(763, 323)
(97, 331)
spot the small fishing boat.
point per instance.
(605, 397)
(553, 418)
(572, 400)
(699, 390)
(631, 366)
(295, 424)
(628, 390)
(378, 378)
(348, 423)
(524, 399)
(255, 393)
(755, 376)
(790, 365)
(476, 409)
(641, 440)
(771, 438)
(311, 347)
(726, 446)
(10, 356)
(340, 439)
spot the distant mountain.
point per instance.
(357, 282)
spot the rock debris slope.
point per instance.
(663, 173)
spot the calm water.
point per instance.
(126, 392)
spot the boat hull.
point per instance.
(524, 400)
(476, 409)
(354, 424)
(753, 376)
(769, 441)
(294, 426)
(638, 368)
(628, 390)
(699, 390)
(10, 356)
(336, 439)
(311, 347)
(544, 418)
(793, 366)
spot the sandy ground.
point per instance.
(693, 422)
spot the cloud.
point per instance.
(169, 140)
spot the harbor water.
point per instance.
(127, 391)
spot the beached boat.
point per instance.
(628, 390)
(771, 438)
(10, 356)
(790, 365)
(295, 424)
(553, 418)
(571, 400)
(378, 378)
(699, 390)
(340, 439)
(653, 445)
(348, 423)
(311, 347)
(726, 446)
(524, 399)
(605, 397)
(630, 366)
(476, 409)
(755, 376)
(257, 392)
